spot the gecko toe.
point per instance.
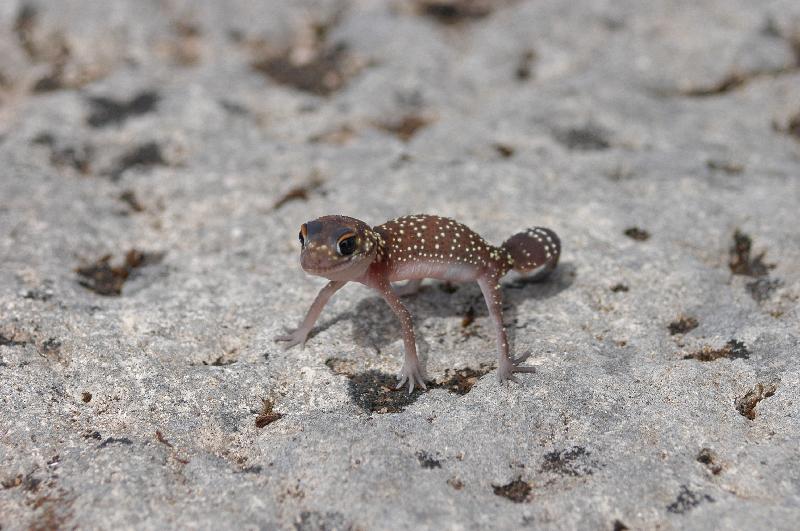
(412, 376)
(291, 339)
(401, 381)
(521, 358)
(511, 366)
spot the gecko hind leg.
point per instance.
(507, 366)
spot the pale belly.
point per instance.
(451, 272)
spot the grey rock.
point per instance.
(140, 409)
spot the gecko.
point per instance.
(412, 248)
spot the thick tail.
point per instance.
(534, 251)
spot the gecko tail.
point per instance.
(535, 251)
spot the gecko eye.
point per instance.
(346, 245)
(302, 235)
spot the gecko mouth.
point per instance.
(332, 269)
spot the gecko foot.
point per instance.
(296, 337)
(413, 375)
(509, 366)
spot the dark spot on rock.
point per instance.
(635, 233)
(794, 43)
(92, 435)
(129, 198)
(746, 405)
(49, 83)
(406, 127)
(461, 381)
(325, 72)
(455, 11)
(44, 139)
(729, 83)
(236, 35)
(107, 111)
(50, 346)
(163, 440)
(734, 349)
(687, 500)
(731, 168)
(78, 158)
(13, 482)
(42, 294)
(620, 288)
(469, 317)
(56, 52)
(234, 108)
(11, 341)
(143, 156)
(427, 461)
(771, 28)
(337, 136)
(114, 440)
(402, 160)
(105, 279)
(741, 263)
(317, 521)
(455, 483)
(708, 457)
(86, 396)
(5, 83)
(267, 416)
(572, 462)
(220, 361)
(28, 482)
(341, 366)
(619, 526)
(300, 192)
(761, 289)
(504, 150)
(523, 72)
(517, 491)
(620, 172)
(24, 26)
(587, 138)
(374, 391)
(793, 127)
(682, 325)
(52, 510)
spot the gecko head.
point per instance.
(337, 247)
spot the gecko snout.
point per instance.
(336, 247)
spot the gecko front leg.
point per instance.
(299, 336)
(412, 370)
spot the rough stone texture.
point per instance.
(201, 134)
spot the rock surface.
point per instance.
(158, 157)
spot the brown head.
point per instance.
(337, 247)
